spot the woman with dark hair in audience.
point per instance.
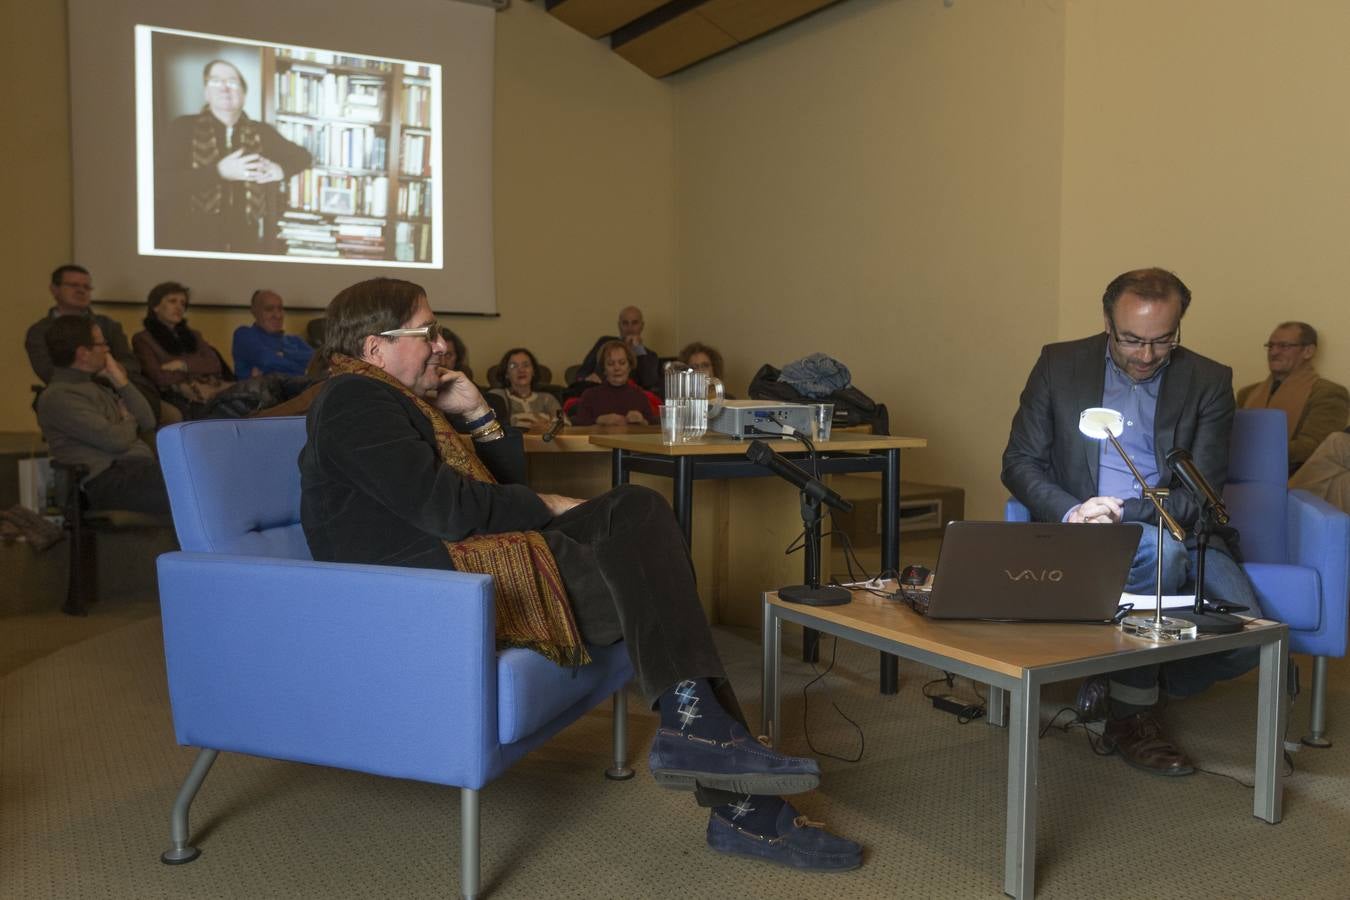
(616, 400)
(456, 354)
(187, 370)
(517, 381)
(702, 358)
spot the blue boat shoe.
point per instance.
(681, 761)
(799, 843)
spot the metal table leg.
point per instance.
(997, 713)
(890, 552)
(772, 639)
(1019, 855)
(1272, 707)
(683, 493)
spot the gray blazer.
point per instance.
(1050, 466)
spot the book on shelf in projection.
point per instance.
(311, 91)
(415, 154)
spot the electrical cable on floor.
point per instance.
(806, 730)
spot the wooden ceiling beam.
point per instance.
(661, 37)
(600, 18)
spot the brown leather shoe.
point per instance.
(1141, 743)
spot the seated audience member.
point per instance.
(88, 424)
(456, 354)
(617, 400)
(517, 375)
(383, 480)
(702, 358)
(317, 372)
(1313, 406)
(187, 370)
(264, 348)
(646, 364)
(1326, 474)
(72, 288)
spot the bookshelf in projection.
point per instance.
(369, 193)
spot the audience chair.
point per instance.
(1295, 548)
(83, 527)
(378, 669)
(314, 332)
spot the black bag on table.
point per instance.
(851, 406)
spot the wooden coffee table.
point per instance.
(1016, 660)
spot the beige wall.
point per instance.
(881, 183)
(35, 235)
(1211, 137)
(583, 195)
(932, 193)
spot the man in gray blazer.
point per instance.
(1170, 397)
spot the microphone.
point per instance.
(761, 454)
(554, 428)
(1182, 464)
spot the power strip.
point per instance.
(957, 707)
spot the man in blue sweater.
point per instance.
(264, 347)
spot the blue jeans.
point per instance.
(1224, 580)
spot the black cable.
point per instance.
(806, 729)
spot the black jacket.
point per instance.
(1050, 466)
(373, 489)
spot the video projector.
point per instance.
(748, 419)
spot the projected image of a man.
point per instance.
(219, 173)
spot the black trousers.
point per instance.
(132, 484)
(629, 575)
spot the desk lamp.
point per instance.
(1100, 424)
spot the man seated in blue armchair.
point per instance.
(386, 480)
(1170, 397)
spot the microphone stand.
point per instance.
(1156, 627)
(1207, 619)
(812, 593)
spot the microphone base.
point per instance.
(815, 596)
(1170, 629)
(1210, 622)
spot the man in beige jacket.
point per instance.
(1313, 406)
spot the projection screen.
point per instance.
(286, 144)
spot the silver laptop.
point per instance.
(1032, 571)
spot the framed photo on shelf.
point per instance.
(337, 201)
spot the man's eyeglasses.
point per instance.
(427, 332)
(76, 285)
(1165, 344)
(1283, 345)
(233, 83)
(520, 365)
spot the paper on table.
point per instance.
(1149, 601)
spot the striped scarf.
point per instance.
(532, 607)
(207, 151)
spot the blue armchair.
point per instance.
(379, 669)
(1295, 548)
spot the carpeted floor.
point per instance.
(89, 769)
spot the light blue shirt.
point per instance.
(1137, 401)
